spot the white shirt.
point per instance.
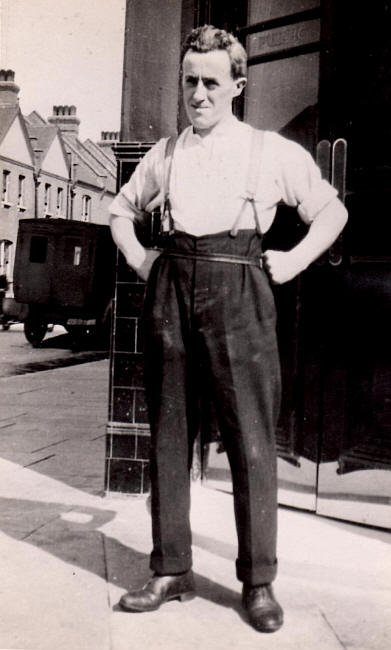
(209, 180)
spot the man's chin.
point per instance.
(202, 126)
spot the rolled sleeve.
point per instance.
(121, 207)
(299, 179)
(143, 192)
(320, 195)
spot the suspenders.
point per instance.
(252, 181)
(256, 154)
(165, 214)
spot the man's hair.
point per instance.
(209, 38)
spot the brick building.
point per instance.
(47, 171)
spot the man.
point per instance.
(210, 316)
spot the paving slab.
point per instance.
(49, 604)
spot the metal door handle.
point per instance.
(332, 163)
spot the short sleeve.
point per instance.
(143, 192)
(299, 178)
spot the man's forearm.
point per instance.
(324, 230)
(322, 233)
(122, 231)
(139, 258)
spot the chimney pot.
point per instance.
(8, 88)
(65, 118)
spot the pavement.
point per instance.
(68, 551)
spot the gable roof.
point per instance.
(45, 134)
(102, 154)
(94, 166)
(89, 169)
(85, 172)
(8, 115)
(35, 119)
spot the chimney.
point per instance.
(8, 89)
(107, 139)
(65, 118)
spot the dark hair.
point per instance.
(209, 38)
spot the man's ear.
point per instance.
(239, 85)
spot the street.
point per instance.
(17, 356)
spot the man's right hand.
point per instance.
(145, 268)
(138, 258)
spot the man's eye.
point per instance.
(210, 84)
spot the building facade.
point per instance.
(46, 171)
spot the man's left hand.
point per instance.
(282, 266)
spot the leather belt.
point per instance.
(216, 257)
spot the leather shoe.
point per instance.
(264, 612)
(159, 590)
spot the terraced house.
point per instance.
(47, 172)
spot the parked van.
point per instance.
(65, 273)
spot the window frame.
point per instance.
(5, 196)
(47, 200)
(60, 202)
(86, 208)
(21, 192)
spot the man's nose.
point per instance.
(199, 91)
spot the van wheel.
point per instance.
(34, 331)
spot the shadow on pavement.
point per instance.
(73, 535)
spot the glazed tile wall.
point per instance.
(128, 435)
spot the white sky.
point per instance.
(66, 52)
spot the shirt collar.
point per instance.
(226, 129)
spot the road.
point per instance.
(17, 356)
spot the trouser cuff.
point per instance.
(168, 566)
(253, 576)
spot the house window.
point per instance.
(47, 200)
(21, 192)
(5, 262)
(86, 208)
(60, 201)
(6, 188)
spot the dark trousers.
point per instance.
(210, 336)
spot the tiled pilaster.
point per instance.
(128, 435)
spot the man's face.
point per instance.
(208, 88)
